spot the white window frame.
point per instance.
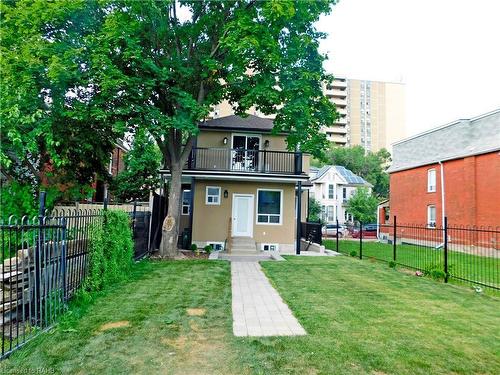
(431, 188)
(257, 208)
(216, 243)
(333, 191)
(329, 218)
(430, 223)
(276, 246)
(185, 205)
(210, 195)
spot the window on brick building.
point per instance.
(431, 180)
(431, 216)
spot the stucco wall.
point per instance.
(210, 222)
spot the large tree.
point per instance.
(363, 206)
(162, 65)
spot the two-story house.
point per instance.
(332, 186)
(242, 188)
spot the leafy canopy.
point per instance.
(371, 166)
(140, 175)
(363, 206)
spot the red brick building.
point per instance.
(452, 170)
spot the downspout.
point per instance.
(443, 212)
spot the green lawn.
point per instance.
(481, 269)
(361, 318)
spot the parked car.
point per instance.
(330, 230)
(369, 231)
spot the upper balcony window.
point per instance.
(431, 180)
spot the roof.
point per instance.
(346, 174)
(455, 140)
(234, 122)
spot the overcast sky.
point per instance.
(447, 52)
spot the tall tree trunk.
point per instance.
(170, 228)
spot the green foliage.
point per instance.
(353, 253)
(363, 206)
(314, 210)
(140, 175)
(208, 249)
(392, 264)
(194, 247)
(52, 129)
(111, 251)
(371, 166)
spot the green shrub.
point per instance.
(353, 253)
(194, 247)
(392, 264)
(111, 251)
(208, 249)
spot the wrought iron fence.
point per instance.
(311, 232)
(44, 263)
(462, 253)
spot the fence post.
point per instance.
(105, 203)
(337, 241)
(445, 249)
(63, 258)
(134, 215)
(360, 240)
(394, 241)
(38, 260)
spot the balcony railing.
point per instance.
(243, 160)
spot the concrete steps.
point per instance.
(244, 246)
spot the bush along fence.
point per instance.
(448, 252)
(48, 258)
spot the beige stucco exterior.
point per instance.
(211, 222)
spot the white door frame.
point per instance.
(250, 215)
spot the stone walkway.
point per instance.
(258, 309)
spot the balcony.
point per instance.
(244, 161)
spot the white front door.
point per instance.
(243, 215)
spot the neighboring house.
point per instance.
(115, 166)
(452, 170)
(332, 186)
(241, 187)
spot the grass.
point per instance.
(480, 269)
(361, 318)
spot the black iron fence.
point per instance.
(461, 253)
(44, 263)
(243, 160)
(311, 232)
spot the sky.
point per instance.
(446, 52)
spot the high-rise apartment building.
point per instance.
(372, 113)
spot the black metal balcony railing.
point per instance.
(243, 160)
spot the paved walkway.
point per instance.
(258, 309)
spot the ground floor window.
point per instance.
(431, 216)
(269, 206)
(186, 202)
(213, 195)
(330, 213)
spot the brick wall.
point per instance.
(472, 192)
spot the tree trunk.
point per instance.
(170, 227)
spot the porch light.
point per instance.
(224, 140)
(226, 194)
(266, 143)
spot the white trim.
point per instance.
(431, 188)
(253, 176)
(183, 205)
(429, 216)
(276, 246)
(250, 214)
(215, 243)
(257, 208)
(218, 196)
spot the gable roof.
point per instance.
(234, 122)
(349, 177)
(455, 140)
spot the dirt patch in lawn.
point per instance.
(196, 311)
(177, 343)
(112, 325)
